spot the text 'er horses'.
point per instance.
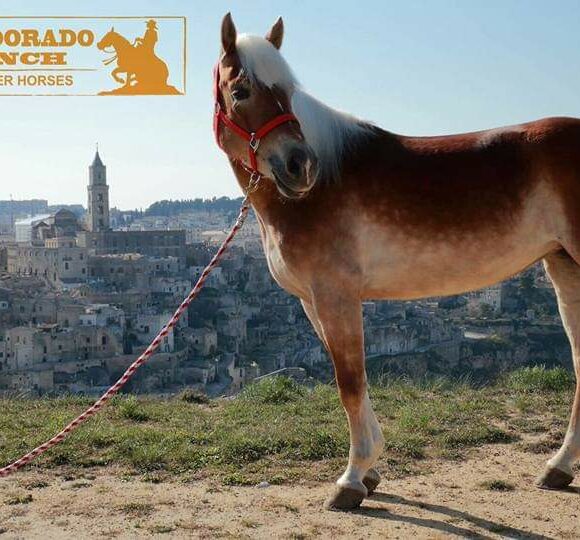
(349, 212)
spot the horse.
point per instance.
(349, 212)
(142, 69)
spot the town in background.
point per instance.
(83, 291)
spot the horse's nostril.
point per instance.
(296, 162)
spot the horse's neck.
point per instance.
(121, 43)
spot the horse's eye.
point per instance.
(240, 93)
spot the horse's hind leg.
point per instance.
(338, 321)
(565, 275)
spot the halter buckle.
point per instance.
(254, 143)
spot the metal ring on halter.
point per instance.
(254, 143)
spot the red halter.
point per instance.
(253, 138)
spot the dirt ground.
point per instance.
(450, 502)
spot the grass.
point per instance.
(131, 410)
(540, 379)
(278, 431)
(545, 445)
(274, 391)
(35, 484)
(161, 529)
(137, 510)
(19, 499)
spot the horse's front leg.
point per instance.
(116, 75)
(337, 318)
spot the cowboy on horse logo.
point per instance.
(139, 70)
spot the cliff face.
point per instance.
(483, 359)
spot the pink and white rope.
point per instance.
(154, 345)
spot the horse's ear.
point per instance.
(276, 33)
(228, 34)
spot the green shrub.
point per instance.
(406, 444)
(147, 457)
(19, 499)
(190, 395)
(131, 409)
(474, 434)
(242, 449)
(322, 445)
(237, 479)
(540, 379)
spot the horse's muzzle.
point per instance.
(296, 174)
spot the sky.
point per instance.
(417, 67)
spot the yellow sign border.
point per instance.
(184, 51)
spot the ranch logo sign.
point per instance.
(92, 56)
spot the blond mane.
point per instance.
(328, 132)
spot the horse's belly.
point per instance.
(400, 266)
(405, 272)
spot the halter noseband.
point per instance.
(253, 138)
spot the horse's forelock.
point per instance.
(263, 63)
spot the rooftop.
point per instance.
(97, 160)
(32, 219)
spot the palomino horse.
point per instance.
(349, 212)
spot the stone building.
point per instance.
(98, 213)
(204, 340)
(57, 261)
(147, 327)
(490, 297)
(50, 250)
(57, 247)
(57, 229)
(240, 375)
(120, 271)
(154, 243)
(28, 346)
(99, 239)
(23, 227)
(3, 258)
(102, 315)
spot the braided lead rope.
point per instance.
(153, 346)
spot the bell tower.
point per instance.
(98, 203)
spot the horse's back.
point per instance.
(545, 130)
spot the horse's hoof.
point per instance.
(371, 480)
(553, 478)
(346, 498)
